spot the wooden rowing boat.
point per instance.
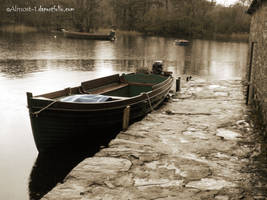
(89, 36)
(59, 120)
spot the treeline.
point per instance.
(192, 18)
(51, 14)
(184, 17)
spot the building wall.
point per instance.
(257, 60)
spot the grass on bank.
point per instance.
(237, 37)
(17, 29)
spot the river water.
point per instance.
(41, 63)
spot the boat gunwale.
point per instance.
(86, 33)
(107, 108)
(109, 105)
(155, 86)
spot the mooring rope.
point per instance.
(38, 112)
(148, 98)
(53, 102)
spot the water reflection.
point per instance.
(51, 168)
(219, 60)
(18, 68)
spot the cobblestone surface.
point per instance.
(201, 145)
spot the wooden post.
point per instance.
(178, 84)
(126, 118)
(249, 96)
(29, 97)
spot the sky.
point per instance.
(226, 2)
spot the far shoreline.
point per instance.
(233, 37)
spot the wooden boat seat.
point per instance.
(108, 88)
(116, 86)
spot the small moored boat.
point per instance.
(89, 36)
(66, 117)
(182, 42)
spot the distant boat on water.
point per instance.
(89, 36)
(182, 42)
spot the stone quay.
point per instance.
(201, 144)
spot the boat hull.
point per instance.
(87, 36)
(68, 125)
(182, 42)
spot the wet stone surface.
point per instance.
(201, 145)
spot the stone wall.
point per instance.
(258, 68)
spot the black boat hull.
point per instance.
(61, 127)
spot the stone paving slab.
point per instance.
(198, 146)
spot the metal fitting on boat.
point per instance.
(157, 67)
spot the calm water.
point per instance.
(42, 63)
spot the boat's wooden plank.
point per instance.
(141, 84)
(87, 34)
(108, 89)
(53, 95)
(87, 85)
(61, 93)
